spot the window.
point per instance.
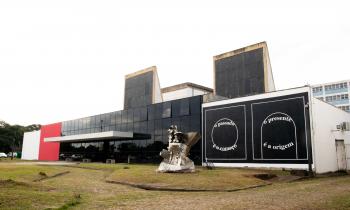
(158, 110)
(158, 127)
(184, 107)
(166, 123)
(124, 116)
(166, 110)
(337, 97)
(137, 115)
(118, 117)
(143, 127)
(107, 119)
(195, 105)
(137, 127)
(317, 89)
(151, 112)
(345, 108)
(130, 115)
(143, 114)
(113, 118)
(92, 121)
(64, 126)
(80, 124)
(150, 127)
(335, 86)
(344, 96)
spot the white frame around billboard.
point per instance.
(245, 135)
(306, 138)
(273, 94)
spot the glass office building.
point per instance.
(149, 125)
(139, 132)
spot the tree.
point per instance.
(11, 136)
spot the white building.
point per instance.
(281, 129)
(184, 90)
(335, 93)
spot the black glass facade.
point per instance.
(240, 75)
(138, 90)
(154, 119)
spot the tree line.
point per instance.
(11, 136)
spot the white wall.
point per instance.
(182, 93)
(325, 118)
(30, 148)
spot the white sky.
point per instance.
(66, 59)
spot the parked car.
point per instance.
(77, 157)
(64, 156)
(3, 155)
(10, 154)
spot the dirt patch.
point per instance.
(265, 176)
(333, 174)
(12, 183)
(43, 176)
(154, 187)
(86, 167)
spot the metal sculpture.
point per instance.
(175, 157)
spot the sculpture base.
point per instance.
(169, 168)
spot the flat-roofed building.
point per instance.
(184, 90)
(335, 93)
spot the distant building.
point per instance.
(184, 90)
(335, 93)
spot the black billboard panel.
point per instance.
(279, 129)
(226, 133)
(267, 130)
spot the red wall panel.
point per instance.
(49, 150)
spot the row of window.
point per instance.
(152, 127)
(345, 108)
(317, 89)
(337, 97)
(176, 108)
(336, 86)
(330, 87)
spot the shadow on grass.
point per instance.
(72, 203)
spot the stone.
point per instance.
(175, 158)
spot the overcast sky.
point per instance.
(66, 59)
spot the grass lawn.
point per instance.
(202, 179)
(85, 187)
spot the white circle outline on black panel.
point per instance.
(264, 122)
(216, 125)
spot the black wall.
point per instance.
(273, 130)
(240, 75)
